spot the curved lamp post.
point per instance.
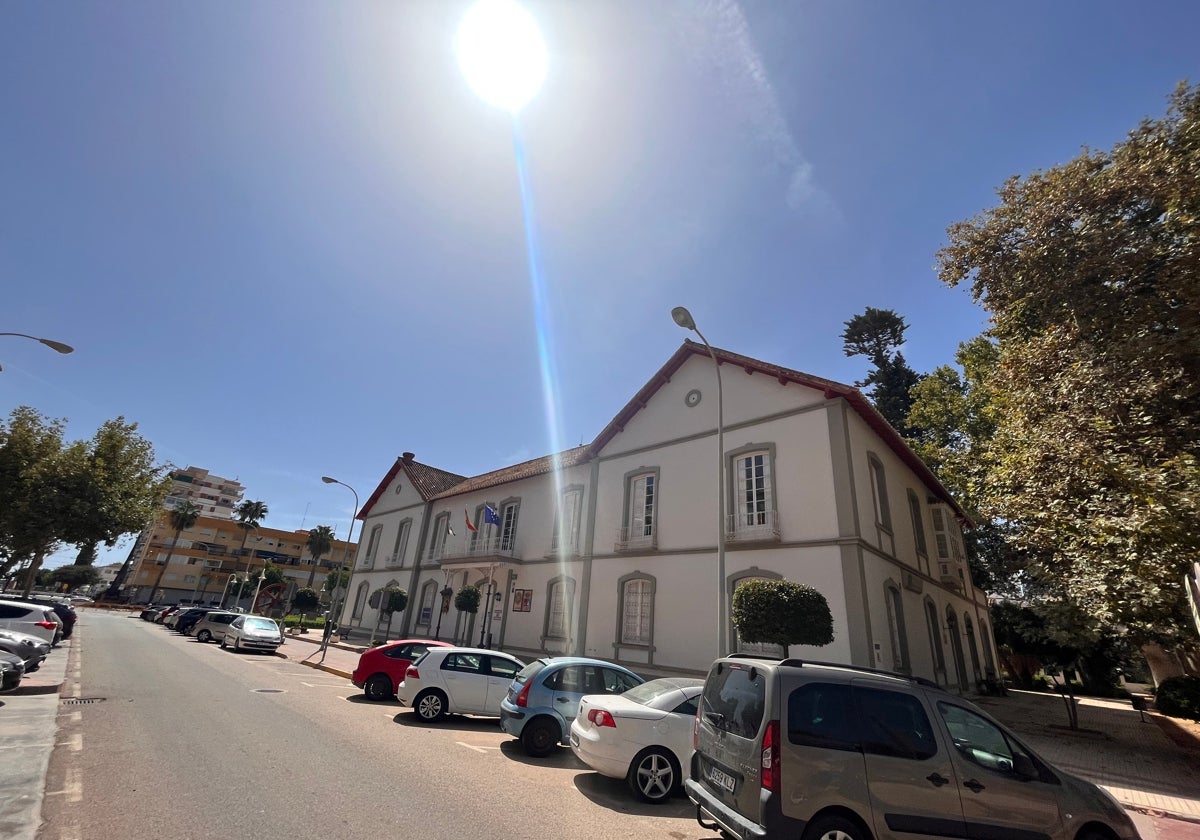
(327, 632)
(684, 319)
(225, 591)
(56, 346)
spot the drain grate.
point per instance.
(268, 690)
(82, 701)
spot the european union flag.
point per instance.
(490, 516)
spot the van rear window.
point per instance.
(734, 698)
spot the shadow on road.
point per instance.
(562, 757)
(461, 723)
(615, 795)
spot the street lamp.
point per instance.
(261, 576)
(328, 631)
(225, 591)
(56, 346)
(684, 319)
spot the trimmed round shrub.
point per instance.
(1179, 697)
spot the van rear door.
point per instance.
(730, 722)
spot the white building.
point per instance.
(609, 549)
(215, 496)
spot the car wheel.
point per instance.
(833, 828)
(653, 775)
(430, 706)
(378, 688)
(204, 636)
(540, 736)
(224, 643)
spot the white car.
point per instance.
(456, 680)
(252, 632)
(33, 619)
(643, 735)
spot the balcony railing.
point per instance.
(480, 548)
(757, 526)
(636, 539)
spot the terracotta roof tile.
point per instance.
(526, 469)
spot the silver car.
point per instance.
(212, 627)
(252, 632)
(32, 650)
(787, 749)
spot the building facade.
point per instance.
(215, 496)
(610, 549)
(209, 553)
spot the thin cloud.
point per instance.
(719, 30)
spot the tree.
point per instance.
(305, 601)
(319, 543)
(391, 599)
(878, 334)
(39, 480)
(121, 488)
(1089, 273)
(249, 514)
(467, 599)
(74, 577)
(181, 517)
(338, 578)
(781, 612)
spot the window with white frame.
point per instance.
(360, 600)
(895, 614)
(368, 561)
(752, 503)
(425, 614)
(642, 498)
(883, 513)
(400, 547)
(637, 611)
(918, 524)
(437, 540)
(508, 526)
(566, 533)
(557, 609)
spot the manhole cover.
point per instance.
(269, 690)
(82, 701)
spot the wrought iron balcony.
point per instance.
(487, 549)
(747, 527)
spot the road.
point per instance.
(184, 740)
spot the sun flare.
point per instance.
(502, 54)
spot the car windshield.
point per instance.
(260, 624)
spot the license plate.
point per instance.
(720, 778)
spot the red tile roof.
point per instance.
(526, 469)
(428, 481)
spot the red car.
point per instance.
(382, 668)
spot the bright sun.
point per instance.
(501, 52)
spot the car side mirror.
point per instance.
(1023, 766)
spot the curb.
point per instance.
(329, 669)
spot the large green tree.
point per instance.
(121, 488)
(181, 517)
(781, 612)
(1091, 275)
(878, 334)
(39, 483)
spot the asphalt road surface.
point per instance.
(185, 740)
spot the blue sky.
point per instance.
(287, 238)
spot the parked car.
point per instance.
(381, 669)
(252, 632)
(190, 616)
(643, 736)
(150, 611)
(11, 671)
(212, 627)
(457, 680)
(161, 618)
(32, 650)
(854, 753)
(62, 608)
(544, 698)
(33, 619)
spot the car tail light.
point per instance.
(770, 758)
(523, 697)
(696, 729)
(601, 718)
(411, 673)
(47, 625)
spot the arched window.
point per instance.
(425, 614)
(935, 642)
(360, 600)
(972, 648)
(985, 639)
(895, 615)
(559, 594)
(637, 610)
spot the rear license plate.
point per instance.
(721, 779)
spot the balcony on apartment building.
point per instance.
(752, 527)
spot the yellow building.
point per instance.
(210, 553)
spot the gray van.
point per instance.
(820, 751)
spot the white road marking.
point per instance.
(323, 685)
(75, 742)
(473, 747)
(72, 786)
(75, 717)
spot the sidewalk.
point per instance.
(340, 659)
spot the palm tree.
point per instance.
(182, 517)
(320, 541)
(249, 514)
